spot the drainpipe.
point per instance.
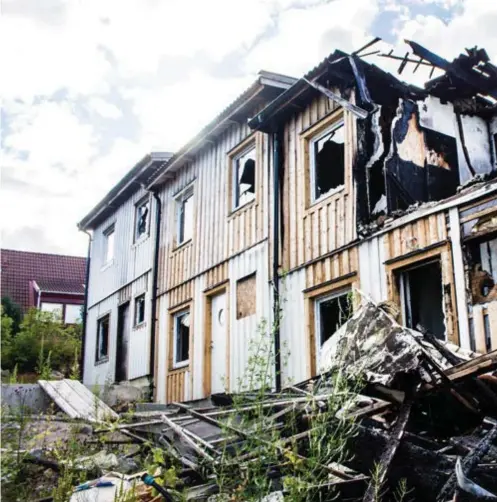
(153, 309)
(85, 306)
(276, 252)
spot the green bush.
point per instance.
(13, 311)
(39, 333)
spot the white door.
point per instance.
(219, 320)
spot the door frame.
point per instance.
(208, 295)
(120, 339)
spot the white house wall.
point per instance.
(372, 273)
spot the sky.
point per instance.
(90, 86)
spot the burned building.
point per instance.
(299, 193)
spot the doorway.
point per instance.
(421, 295)
(219, 321)
(121, 373)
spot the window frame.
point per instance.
(186, 194)
(109, 230)
(137, 324)
(59, 305)
(235, 192)
(105, 358)
(175, 319)
(142, 202)
(317, 315)
(312, 140)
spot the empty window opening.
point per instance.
(102, 352)
(482, 260)
(246, 296)
(422, 298)
(181, 341)
(244, 177)
(54, 308)
(109, 235)
(327, 152)
(142, 219)
(331, 313)
(72, 314)
(185, 216)
(139, 309)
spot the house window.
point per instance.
(181, 339)
(72, 314)
(185, 216)
(109, 235)
(142, 219)
(102, 352)
(331, 312)
(54, 308)
(421, 296)
(327, 161)
(243, 172)
(139, 309)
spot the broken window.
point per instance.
(139, 309)
(102, 350)
(185, 216)
(142, 219)
(327, 151)
(109, 235)
(421, 296)
(181, 340)
(54, 308)
(244, 177)
(483, 269)
(331, 312)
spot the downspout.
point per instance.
(153, 306)
(276, 252)
(85, 307)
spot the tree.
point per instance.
(13, 311)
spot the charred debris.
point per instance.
(423, 415)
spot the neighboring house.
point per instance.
(348, 179)
(50, 282)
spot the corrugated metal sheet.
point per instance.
(293, 328)
(139, 337)
(244, 333)
(372, 273)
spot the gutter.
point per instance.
(276, 252)
(85, 307)
(153, 300)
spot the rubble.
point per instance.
(391, 407)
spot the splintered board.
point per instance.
(77, 401)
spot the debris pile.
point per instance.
(413, 413)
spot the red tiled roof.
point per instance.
(67, 287)
(21, 267)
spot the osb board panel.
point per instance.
(246, 290)
(181, 294)
(216, 275)
(311, 231)
(415, 235)
(175, 386)
(332, 267)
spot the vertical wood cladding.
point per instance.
(218, 232)
(313, 230)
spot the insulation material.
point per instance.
(246, 296)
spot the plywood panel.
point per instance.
(246, 296)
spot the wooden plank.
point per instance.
(492, 318)
(475, 366)
(479, 329)
(67, 407)
(104, 411)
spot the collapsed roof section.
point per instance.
(413, 145)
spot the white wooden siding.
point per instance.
(372, 273)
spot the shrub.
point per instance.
(13, 311)
(40, 333)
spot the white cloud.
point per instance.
(104, 108)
